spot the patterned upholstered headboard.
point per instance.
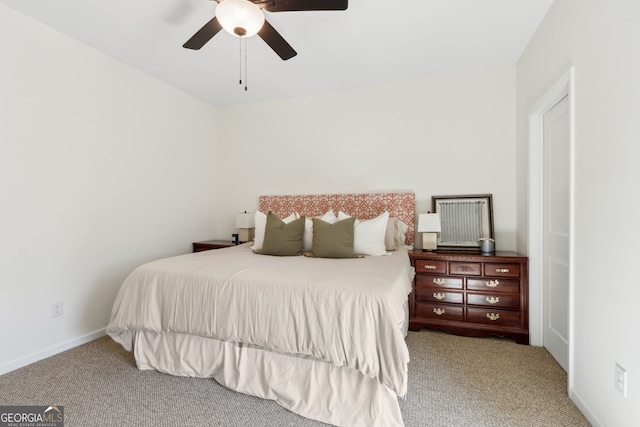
(362, 206)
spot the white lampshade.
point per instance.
(429, 223)
(240, 18)
(245, 220)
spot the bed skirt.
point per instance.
(311, 388)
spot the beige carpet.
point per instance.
(453, 381)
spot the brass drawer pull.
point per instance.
(439, 296)
(439, 281)
(493, 316)
(502, 270)
(492, 283)
(439, 311)
(430, 267)
(493, 300)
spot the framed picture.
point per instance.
(464, 220)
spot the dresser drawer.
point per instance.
(428, 266)
(502, 270)
(440, 311)
(494, 300)
(438, 295)
(492, 317)
(494, 285)
(427, 280)
(465, 268)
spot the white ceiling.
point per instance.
(372, 42)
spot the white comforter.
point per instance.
(346, 312)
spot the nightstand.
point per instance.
(211, 244)
(470, 294)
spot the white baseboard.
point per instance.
(32, 358)
(593, 420)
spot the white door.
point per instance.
(556, 229)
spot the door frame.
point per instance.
(563, 87)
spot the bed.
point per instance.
(323, 337)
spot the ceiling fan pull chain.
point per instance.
(240, 58)
(245, 64)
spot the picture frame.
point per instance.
(464, 220)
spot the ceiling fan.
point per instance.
(244, 18)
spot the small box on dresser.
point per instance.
(471, 294)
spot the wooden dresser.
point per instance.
(471, 294)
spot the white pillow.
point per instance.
(368, 236)
(260, 223)
(307, 237)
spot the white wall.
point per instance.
(101, 168)
(445, 134)
(601, 39)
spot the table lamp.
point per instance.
(245, 224)
(429, 226)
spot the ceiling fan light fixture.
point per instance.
(240, 18)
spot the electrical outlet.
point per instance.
(56, 309)
(621, 380)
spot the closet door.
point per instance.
(556, 230)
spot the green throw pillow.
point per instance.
(282, 239)
(333, 240)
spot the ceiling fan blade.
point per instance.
(302, 5)
(276, 41)
(203, 35)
